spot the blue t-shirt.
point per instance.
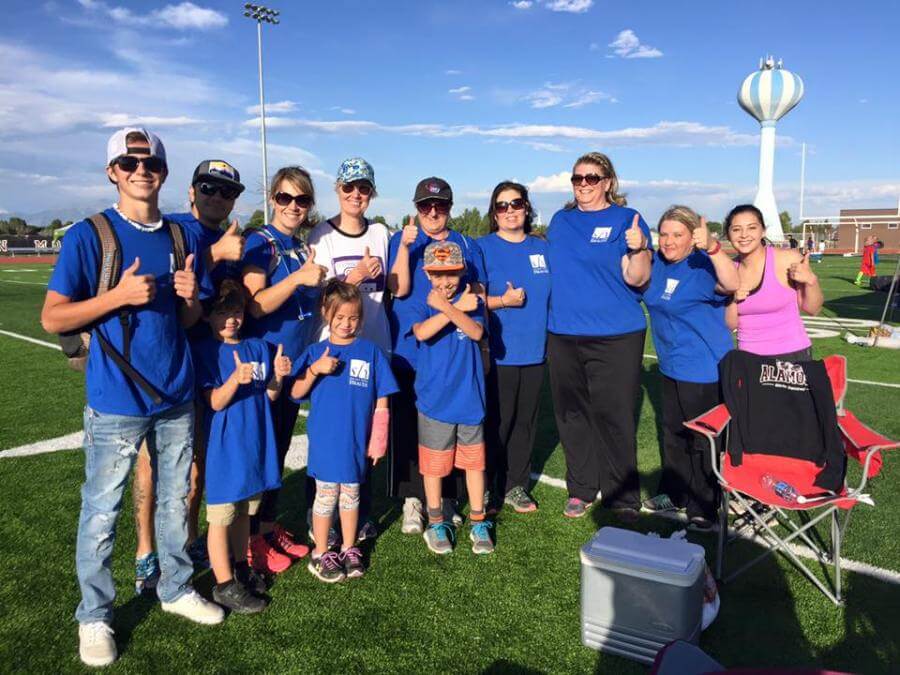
(518, 334)
(159, 349)
(449, 370)
(402, 315)
(687, 318)
(291, 324)
(241, 454)
(341, 408)
(588, 295)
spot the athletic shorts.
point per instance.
(226, 514)
(443, 446)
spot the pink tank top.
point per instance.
(769, 320)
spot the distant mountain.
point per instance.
(74, 213)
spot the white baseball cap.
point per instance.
(117, 147)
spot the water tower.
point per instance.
(768, 95)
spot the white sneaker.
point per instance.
(193, 606)
(413, 517)
(97, 647)
(451, 515)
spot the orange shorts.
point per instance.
(443, 446)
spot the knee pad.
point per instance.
(326, 498)
(349, 496)
(435, 462)
(470, 457)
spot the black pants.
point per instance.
(404, 479)
(687, 475)
(595, 383)
(513, 396)
(284, 417)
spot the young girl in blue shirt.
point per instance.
(347, 379)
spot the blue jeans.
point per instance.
(111, 445)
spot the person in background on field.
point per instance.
(348, 380)
(355, 250)
(810, 243)
(775, 286)
(868, 262)
(214, 188)
(689, 283)
(140, 319)
(283, 282)
(433, 200)
(518, 288)
(600, 256)
(792, 243)
(237, 377)
(450, 394)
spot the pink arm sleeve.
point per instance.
(379, 438)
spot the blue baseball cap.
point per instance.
(354, 169)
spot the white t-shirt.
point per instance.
(339, 253)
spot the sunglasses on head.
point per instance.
(303, 201)
(515, 204)
(441, 207)
(590, 179)
(365, 189)
(129, 164)
(210, 189)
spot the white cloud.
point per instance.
(574, 6)
(452, 71)
(522, 4)
(462, 93)
(345, 111)
(566, 94)
(277, 107)
(459, 90)
(183, 16)
(122, 120)
(628, 46)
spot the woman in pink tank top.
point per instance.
(775, 285)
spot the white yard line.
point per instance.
(67, 442)
(19, 336)
(26, 283)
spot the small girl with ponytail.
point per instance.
(347, 380)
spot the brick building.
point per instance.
(883, 223)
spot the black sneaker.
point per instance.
(234, 596)
(252, 580)
(352, 560)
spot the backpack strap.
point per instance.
(179, 247)
(110, 253)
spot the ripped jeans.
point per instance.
(111, 445)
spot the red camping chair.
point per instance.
(743, 485)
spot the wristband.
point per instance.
(717, 248)
(502, 303)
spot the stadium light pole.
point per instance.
(261, 15)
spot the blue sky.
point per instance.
(474, 91)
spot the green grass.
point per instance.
(516, 611)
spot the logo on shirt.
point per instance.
(359, 372)
(601, 234)
(671, 285)
(784, 375)
(259, 371)
(538, 264)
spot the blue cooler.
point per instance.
(639, 592)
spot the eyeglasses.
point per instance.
(227, 191)
(284, 198)
(441, 207)
(365, 189)
(129, 164)
(590, 179)
(515, 205)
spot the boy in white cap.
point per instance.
(139, 380)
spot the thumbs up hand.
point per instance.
(410, 232)
(310, 273)
(185, 281)
(243, 372)
(513, 297)
(282, 363)
(468, 301)
(370, 266)
(135, 289)
(230, 246)
(634, 236)
(701, 237)
(800, 272)
(325, 364)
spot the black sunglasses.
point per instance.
(129, 164)
(227, 191)
(303, 201)
(516, 205)
(441, 207)
(590, 179)
(365, 189)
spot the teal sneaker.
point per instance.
(439, 538)
(481, 537)
(146, 574)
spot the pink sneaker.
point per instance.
(285, 541)
(263, 558)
